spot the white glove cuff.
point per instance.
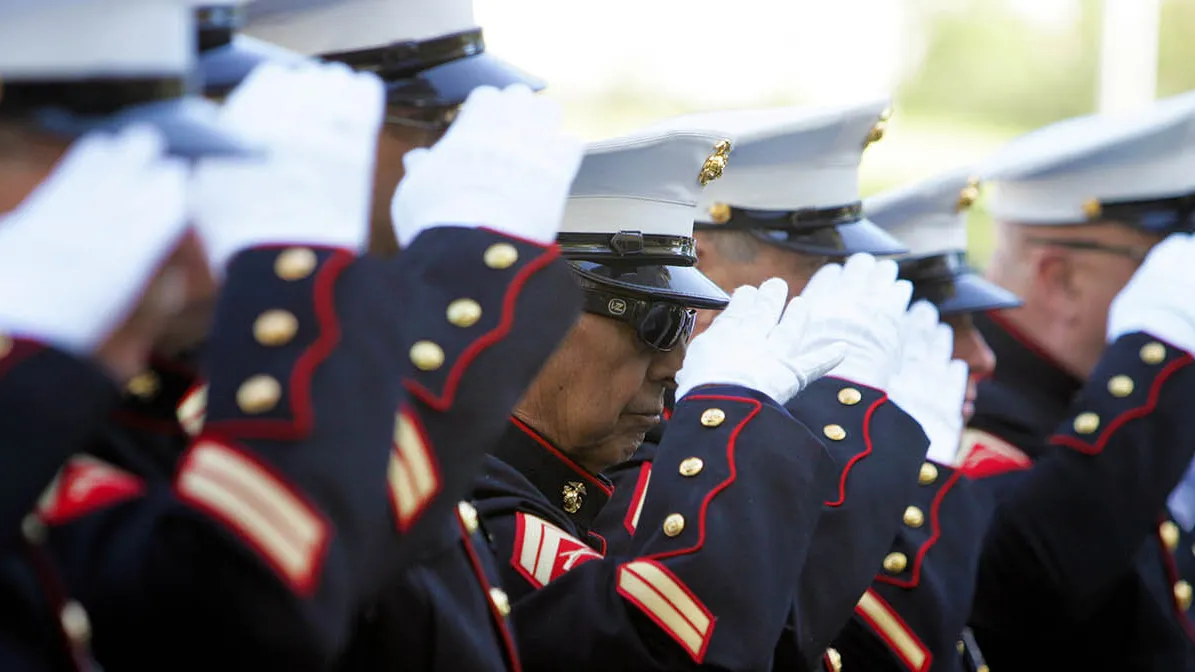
(1168, 326)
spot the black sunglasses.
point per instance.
(660, 325)
(434, 120)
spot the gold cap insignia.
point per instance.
(968, 195)
(1092, 208)
(715, 163)
(573, 492)
(719, 213)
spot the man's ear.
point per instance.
(1055, 278)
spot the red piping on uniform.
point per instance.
(730, 447)
(404, 524)
(855, 460)
(22, 349)
(562, 457)
(305, 586)
(697, 656)
(936, 524)
(299, 385)
(879, 632)
(1155, 392)
(444, 401)
(628, 521)
(512, 652)
(1019, 336)
(1172, 575)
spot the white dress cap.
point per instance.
(791, 158)
(1065, 173)
(647, 182)
(313, 27)
(929, 217)
(107, 39)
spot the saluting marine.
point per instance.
(144, 551)
(913, 617)
(789, 203)
(69, 69)
(1084, 429)
(430, 56)
(666, 603)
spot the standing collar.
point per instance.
(151, 398)
(568, 486)
(1029, 392)
(1022, 363)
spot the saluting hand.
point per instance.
(759, 344)
(1157, 299)
(505, 164)
(860, 303)
(930, 385)
(88, 260)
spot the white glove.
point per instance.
(1158, 298)
(860, 303)
(76, 255)
(505, 164)
(319, 125)
(930, 385)
(758, 344)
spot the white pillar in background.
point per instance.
(1128, 69)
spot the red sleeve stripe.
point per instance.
(262, 509)
(660, 595)
(414, 475)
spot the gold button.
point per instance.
(295, 263)
(849, 396)
(834, 432)
(1120, 386)
(1168, 531)
(275, 327)
(835, 659)
(962, 648)
(1153, 353)
(501, 601)
(1086, 423)
(427, 355)
(5, 345)
(501, 255)
(928, 474)
(691, 466)
(712, 417)
(143, 385)
(259, 394)
(674, 524)
(896, 562)
(983, 668)
(468, 516)
(914, 517)
(33, 530)
(464, 312)
(1182, 594)
(75, 623)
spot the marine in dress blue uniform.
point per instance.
(914, 614)
(1078, 568)
(793, 183)
(695, 586)
(69, 68)
(448, 611)
(294, 491)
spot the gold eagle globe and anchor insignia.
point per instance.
(879, 129)
(715, 163)
(968, 195)
(573, 492)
